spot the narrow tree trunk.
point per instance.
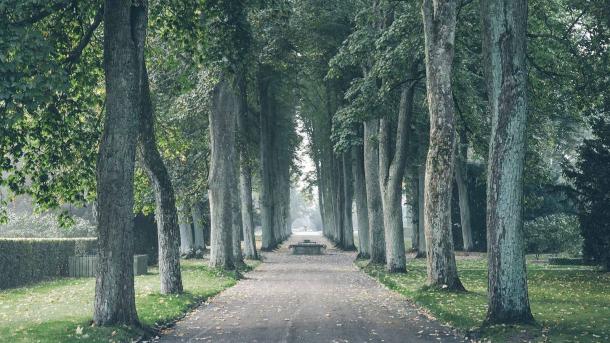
(348, 200)
(199, 241)
(152, 163)
(414, 215)
(373, 191)
(238, 257)
(114, 289)
(186, 233)
(504, 44)
(439, 31)
(222, 123)
(247, 216)
(267, 165)
(421, 179)
(360, 198)
(464, 201)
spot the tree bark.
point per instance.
(504, 45)
(198, 225)
(222, 128)
(373, 191)
(439, 31)
(114, 288)
(421, 179)
(464, 200)
(152, 163)
(391, 173)
(414, 214)
(360, 198)
(186, 232)
(269, 241)
(238, 257)
(348, 200)
(247, 217)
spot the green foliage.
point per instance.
(557, 233)
(591, 180)
(60, 310)
(570, 303)
(29, 260)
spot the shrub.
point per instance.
(24, 261)
(554, 233)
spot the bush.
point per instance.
(24, 261)
(554, 233)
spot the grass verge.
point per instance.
(569, 303)
(61, 310)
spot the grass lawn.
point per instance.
(61, 310)
(570, 303)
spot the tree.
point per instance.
(591, 182)
(439, 31)
(222, 128)
(148, 153)
(504, 43)
(114, 289)
(364, 243)
(461, 177)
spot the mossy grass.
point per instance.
(61, 310)
(569, 303)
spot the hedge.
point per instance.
(27, 260)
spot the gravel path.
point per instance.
(323, 298)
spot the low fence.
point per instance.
(84, 266)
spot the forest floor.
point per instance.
(569, 303)
(297, 298)
(61, 310)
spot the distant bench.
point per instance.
(307, 247)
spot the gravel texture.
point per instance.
(324, 298)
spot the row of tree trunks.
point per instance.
(373, 191)
(198, 226)
(275, 163)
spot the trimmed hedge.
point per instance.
(27, 260)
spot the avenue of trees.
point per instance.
(186, 109)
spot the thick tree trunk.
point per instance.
(186, 232)
(348, 200)
(198, 225)
(114, 289)
(152, 163)
(373, 191)
(504, 44)
(439, 31)
(362, 214)
(464, 201)
(222, 125)
(421, 179)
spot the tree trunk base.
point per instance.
(363, 256)
(509, 317)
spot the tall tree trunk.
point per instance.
(464, 200)
(238, 257)
(348, 200)
(391, 173)
(222, 124)
(198, 226)
(114, 289)
(504, 44)
(152, 163)
(268, 215)
(360, 198)
(421, 179)
(373, 191)
(186, 232)
(439, 31)
(247, 216)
